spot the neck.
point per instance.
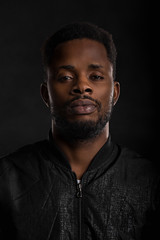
(80, 153)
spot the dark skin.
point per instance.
(80, 67)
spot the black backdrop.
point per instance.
(24, 25)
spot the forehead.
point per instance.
(80, 50)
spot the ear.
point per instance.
(44, 93)
(116, 91)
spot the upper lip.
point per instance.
(82, 102)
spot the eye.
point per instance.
(96, 77)
(64, 78)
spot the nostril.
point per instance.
(88, 90)
(76, 91)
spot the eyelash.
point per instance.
(92, 77)
(64, 78)
(96, 77)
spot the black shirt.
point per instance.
(40, 199)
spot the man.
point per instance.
(78, 184)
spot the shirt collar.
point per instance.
(101, 156)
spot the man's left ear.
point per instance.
(116, 91)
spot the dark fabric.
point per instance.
(38, 196)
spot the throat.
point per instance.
(81, 153)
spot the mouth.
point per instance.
(82, 107)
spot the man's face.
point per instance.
(80, 87)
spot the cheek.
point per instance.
(57, 95)
(106, 96)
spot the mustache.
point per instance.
(84, 97)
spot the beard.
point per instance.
(81, 130)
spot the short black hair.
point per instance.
(79, 30)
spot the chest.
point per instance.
(104, 208)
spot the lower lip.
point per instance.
(85, 109)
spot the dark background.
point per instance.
(24, 25)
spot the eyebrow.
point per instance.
(91, 66)
(95, 66)
(67, 67)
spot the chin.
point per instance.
(80, 127)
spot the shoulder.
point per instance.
(131, 158)
(22, 158)
(136, 167)
(20, 170)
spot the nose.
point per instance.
(81, 86)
